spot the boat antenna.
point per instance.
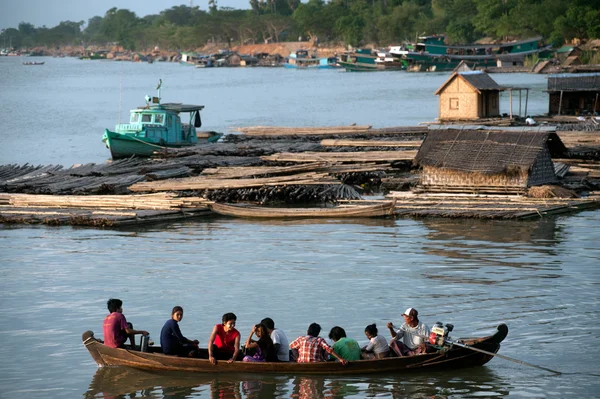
(120, 96)
(158, 88)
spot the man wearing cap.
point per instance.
(410, 338)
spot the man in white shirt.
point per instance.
(410, 338)
(280, 341)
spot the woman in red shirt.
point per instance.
(224, 341)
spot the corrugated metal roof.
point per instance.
(574, 82)
(481, 81)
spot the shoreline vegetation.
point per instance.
(329, 27)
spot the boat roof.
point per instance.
(175, 107)
(473, 46)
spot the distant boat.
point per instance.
(367, 60)
(33, 63)
(155, 127)
(300, 59)
(432, 54)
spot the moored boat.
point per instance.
(155, 127)
(451, 357)
(302, 60)
(366, 60)
(355, 211)
(34, 63)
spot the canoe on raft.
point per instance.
(447, 357)
(354, 211)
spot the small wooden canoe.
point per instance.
(448, 358)
(347, 211)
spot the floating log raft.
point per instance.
(331, 130)
(104, 211)
(370, 143)
(485, 206)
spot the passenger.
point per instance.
(346, 348)
(312, 348)
(377, 347)
(224, 341)
(410, 338)
(172, 340)
(264, 348)
(280, 341)
(116, 329)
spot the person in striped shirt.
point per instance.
(312, 348)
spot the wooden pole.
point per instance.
(560, 103)
(526, 100)
(520, 99)
(595, 103)
(511, 114)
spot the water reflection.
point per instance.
(122, 382)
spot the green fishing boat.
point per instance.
(155, 127)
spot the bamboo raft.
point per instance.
(348, 211)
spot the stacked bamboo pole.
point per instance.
(297, 131)
(369, 156)
(159, 201)
(203, 183)
(370, 143)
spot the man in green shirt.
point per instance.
(344, 347)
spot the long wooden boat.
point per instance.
(446, 358)
(354, 211)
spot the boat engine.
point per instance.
(439, 333)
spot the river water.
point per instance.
(539, 277)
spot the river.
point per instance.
(540, 277)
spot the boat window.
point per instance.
(134, 118)
(146, 118)
(159, 119)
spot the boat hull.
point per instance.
(354, 211)
(128, 145)
(450, 358)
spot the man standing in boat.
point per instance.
(280, 341)
(116, 329)
(410, 338)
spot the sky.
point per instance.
(51, 12)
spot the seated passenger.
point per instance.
(264, 350)
(172, 340)
(312, 348)
(224, 341)
(346, 348)
(116, 329)
(377, 348)
(410, 338)
(280, 341)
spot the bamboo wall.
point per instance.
(468, 101)
(432, 177)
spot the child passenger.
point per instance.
(378, 347)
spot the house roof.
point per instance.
(476, 79)
(574, 82)
(486, 152)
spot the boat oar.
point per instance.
(501, 356)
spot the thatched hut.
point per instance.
(469, 95)
(465, 160)
(574, 94)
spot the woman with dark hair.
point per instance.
(377, 348)
(172, 340)
(346, 348)
(224, 341)
(264, 350)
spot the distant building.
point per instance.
(574, 94)
(487, 161)
(469, 95)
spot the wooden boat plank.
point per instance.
(380, 209)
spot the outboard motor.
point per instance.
(439, 333)
(144, 343)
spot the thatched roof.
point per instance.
(476, 79)
(486, 152)
(574, 82)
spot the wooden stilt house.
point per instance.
(487, 161)
(574, 94)
(469, 95)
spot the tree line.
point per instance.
(350, 22)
